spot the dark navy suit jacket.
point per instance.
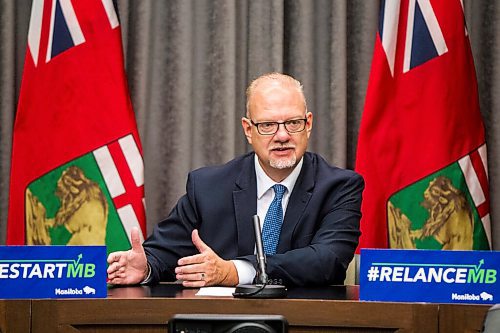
(319, 234)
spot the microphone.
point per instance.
(261, 289)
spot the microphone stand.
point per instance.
(261, 289)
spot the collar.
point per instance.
(264, 182)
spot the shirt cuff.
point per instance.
(148, 276)
(246, 271)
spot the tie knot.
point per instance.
(279, 190)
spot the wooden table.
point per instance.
(15, 316)
(148, 309)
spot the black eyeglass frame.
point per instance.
(284, 123)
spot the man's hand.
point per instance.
(205, 268)
(128, 267)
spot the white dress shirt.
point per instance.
(265, 195)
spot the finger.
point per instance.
(110, 270)
(113, 275)
(192, 277)
(114, 267)
(194, 284)
(188, 269)
(198, 242)
(191, 260)
(118, 270)
(136, 240)
(115, 256)
(116, 280)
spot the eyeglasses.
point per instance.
(271, 127)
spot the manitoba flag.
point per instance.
(421, 145)
(77, 167)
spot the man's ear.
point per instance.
(247, 129)
(309, 123)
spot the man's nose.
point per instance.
(282, 134)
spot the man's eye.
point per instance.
(266, 125)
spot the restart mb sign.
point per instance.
(430, 276)
(53, 272)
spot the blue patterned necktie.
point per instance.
(273, 221)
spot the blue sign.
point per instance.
(53, 272)
(429, 276)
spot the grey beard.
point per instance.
(283, 163)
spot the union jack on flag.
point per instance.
(65, 31)
(424, 39)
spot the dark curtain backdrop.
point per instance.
(189, 62)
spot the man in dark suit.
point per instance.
(311, 210)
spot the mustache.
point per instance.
(282, 146)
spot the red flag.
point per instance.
(77, 166)
(422, 145)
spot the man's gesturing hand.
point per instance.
(128, 267)
(205, 268)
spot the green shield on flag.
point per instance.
(436, 212)
(71, 205)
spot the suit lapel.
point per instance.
(245, 205)
(299, 199)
